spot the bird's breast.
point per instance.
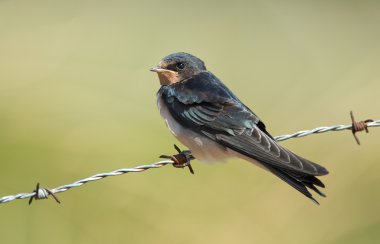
(202, 148)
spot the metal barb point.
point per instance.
(358, 126)
(42, 193)
(182, 159)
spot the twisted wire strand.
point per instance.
(43, 193)
(322, 129)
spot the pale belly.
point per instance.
(201, 147)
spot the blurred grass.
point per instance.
(76, 98)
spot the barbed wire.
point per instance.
(322, 129)
(43, 193)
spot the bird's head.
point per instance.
(177, 67)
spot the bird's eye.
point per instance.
(180, 66)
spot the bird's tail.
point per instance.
(300, 181)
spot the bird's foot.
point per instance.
(182, 159)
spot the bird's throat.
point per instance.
(168, 78)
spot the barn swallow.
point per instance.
(204, 115)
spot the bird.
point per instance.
(205, 116)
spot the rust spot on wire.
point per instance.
(359, 126)
(182, 159)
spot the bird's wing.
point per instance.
(206, 106)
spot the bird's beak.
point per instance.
(158, 69)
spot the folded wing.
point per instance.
(206, 106)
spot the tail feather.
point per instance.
(299, 181)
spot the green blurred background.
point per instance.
(77, 98)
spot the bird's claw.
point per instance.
(182, 159)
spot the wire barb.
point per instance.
(43, 193)
(358, 126)
(182, 159)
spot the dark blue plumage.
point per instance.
(202, 112)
